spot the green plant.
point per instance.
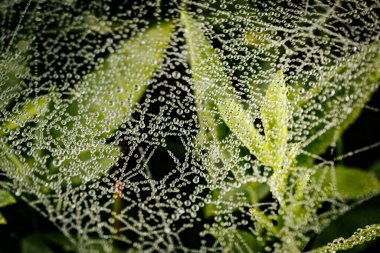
(181, 132)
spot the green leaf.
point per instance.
(24, 113)
(364, 70)
(31, 245)
(274, 117)
(241, 124)
(200, 53)
(214, 90)
(45, 243)
(13, 69)
(91, 162)
(18, 167)
(236, 240)
(263, 221)
(3, 221)
(257, 38)
(375, 168)
(6, 198)
(100, 103)
(113, 89)
(347, 183)
(248, 194)
(109, 93)
(107, 97)
(101, 248)
(240, 241)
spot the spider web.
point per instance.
(114, 130)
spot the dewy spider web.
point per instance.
(184, 125)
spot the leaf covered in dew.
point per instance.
(194, 126)
(24, 114)
(275, 119)
(347, 183)
(247, 194)
(122, 79)
(13, 68)
(240, 241)
(213, 86)
(111, 83)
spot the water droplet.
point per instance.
(176, 75)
